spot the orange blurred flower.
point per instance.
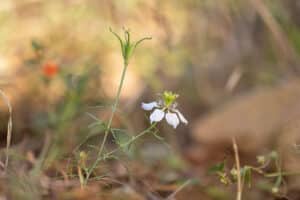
(50, 69)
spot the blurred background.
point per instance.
(234, 64)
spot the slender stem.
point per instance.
(238, 168)
(100, 158)
(172, 196)
(81, 179)
(107, 130)
(9, 128)
(43, 155)
(130, 141)
(282, 174)
(114, 108)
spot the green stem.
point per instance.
(100, 158)
(134, 138)
(107, 130)
(282, 174)
(37, 169)
(114, 108)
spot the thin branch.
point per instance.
(276, 30)
(171, 196)
(141, 40)
(9, 127)
(238, 168)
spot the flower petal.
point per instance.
(149, 106)
(181, 117)
(157, 115)
(172, 119)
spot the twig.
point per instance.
(282, 174)
(234, 79)
(238, 168)
(80, 175)
(9, 127)
(171, 196)
(275, 29)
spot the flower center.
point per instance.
(169, 98)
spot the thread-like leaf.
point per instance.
(217, 168)
(123, 140)
(120, 40)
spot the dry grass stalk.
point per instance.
(238, 169)
(9, 127)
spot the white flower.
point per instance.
(181, 117)
(172, 119)
(149, 106)
(157, 115)
(165, 108)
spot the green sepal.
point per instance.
(126, 46)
